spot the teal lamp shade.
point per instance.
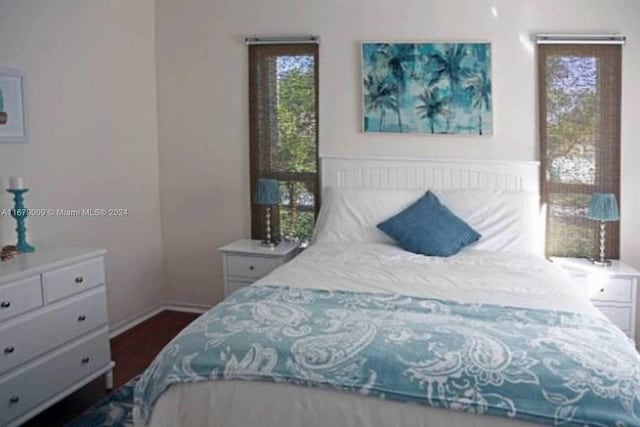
(267, 192)
(603, 207)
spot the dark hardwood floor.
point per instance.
(132, 351)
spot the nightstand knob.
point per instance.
(9, 350)
(251, 267)
(601, 289)
(5, 304)
(82, 318)
(85, 360)
(14, 399)
(79, 279)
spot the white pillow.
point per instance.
(351, 215)
(509, 221)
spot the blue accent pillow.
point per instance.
(428, 227)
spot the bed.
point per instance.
(357, 332)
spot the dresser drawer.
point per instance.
(250, 266)
(619, 316)
(23, 340)
(70, 280)
(612, 290)
(19, 297)
(23, 391)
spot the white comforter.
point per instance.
(471, 276)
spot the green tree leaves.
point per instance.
(296, 145)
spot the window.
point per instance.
(283, 98)
(579, 97)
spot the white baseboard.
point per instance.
(186, 308)
(127, 324)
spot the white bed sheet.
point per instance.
(471, 276)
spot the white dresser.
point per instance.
(246, 261)
(54, 335)
(612, 289)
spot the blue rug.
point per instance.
(114, 410)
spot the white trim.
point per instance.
(186, 308)
(127, 324)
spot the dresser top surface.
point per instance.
(585, 266)
(23, 265)
(254, 247)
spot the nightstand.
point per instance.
(245, 261)
(612, 289)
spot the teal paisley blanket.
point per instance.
(548, 367)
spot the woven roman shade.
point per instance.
(283, 133)
(579, 103)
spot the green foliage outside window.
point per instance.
(573, 114)
(295, 150)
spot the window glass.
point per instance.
(283, 98)
(580, 142)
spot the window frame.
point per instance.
(259, 78)
(607, 153)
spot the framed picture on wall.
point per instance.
(427, 88)
(13, 109)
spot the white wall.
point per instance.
(92, 96)
(203, 107)
(95, 135)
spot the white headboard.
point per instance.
(422, 173)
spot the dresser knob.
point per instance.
(14, 399)
(5, 304)
(85, 360)
(251, 267)
(82, 318)
(601, 289)
(9, 350)
(79, 279)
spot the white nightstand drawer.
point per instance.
(246, 261)
(70, 280)
(234, 285)
(619, 316)
(24, 391)
(49, 328)
(613, 290)
(20, 297)
(250, 266)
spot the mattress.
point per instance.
(469, 277)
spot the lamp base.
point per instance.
(600, 262)
(268, 244)
(19, 213)
(25, 248)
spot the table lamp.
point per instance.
(267, 194)
(603, 207)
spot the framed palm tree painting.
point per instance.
(429, 88)
(13, 111)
